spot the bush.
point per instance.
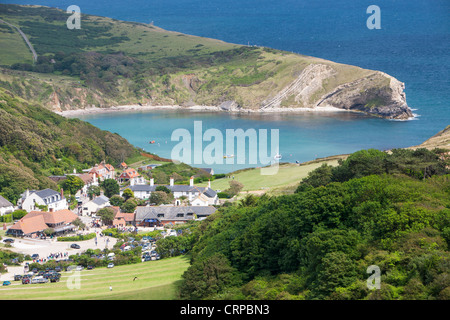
(81, 237)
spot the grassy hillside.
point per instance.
(157, 280)
(109, 62)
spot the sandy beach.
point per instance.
(132, 108)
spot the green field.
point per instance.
(157, 280)
(288, 175)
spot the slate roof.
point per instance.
(176, 188)
(100, 200)
(180, 213)
(46, 193)
(5, 203)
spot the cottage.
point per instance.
(132, 176)
(5, 206)
(30, 200)
(190, 192)
(94, 205)
(162, 215)
(103, 171)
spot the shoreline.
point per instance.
(137, 108)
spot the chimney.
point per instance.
(62, 193)
(191, 182)
(209, 183)
(152, 181)
(27, 194)
(74, 171)
(50, 209)
(171, 181)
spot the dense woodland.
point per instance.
(389, 210)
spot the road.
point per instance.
(24, 38)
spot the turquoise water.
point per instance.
(413, 45)
(302, 137)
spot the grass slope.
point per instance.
(157, 280)
(287, 177)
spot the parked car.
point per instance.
(35, 270)
(18, 277)
(58, 269)
(110, 265)
(90, 267)
(147, 258)
(39, 279)
(75, 246)
(26, 280)
(79, 268)
(35, 256)
(6, 283)
(8, 240)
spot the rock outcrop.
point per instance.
(377, 94)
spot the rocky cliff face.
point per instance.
(377, 94)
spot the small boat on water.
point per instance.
(229, 156)
(152, 142)
(277, 156)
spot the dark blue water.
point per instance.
(412, 45)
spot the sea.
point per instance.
(412, 44)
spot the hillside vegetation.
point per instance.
(109, 62)
(36, 143)
(374, 208)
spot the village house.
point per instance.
(190, 192)
(30, 200)
(5, 206)
(34, 223)
(132, 176)
(91, 207)
(162, 215)
(103, 171)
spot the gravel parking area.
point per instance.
(46, 247)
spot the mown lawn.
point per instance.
(287, 175)
(156, 280)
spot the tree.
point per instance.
(159, 197)
(127, 194)
(316, 178)
(93, 191)
(116, 200)
(106, 215)
(234, 189)
(163, 188)
(209, 277)
(111, 187)
(72, 184)
(129, 205)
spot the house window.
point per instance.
(180, 215)
(160, 215)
